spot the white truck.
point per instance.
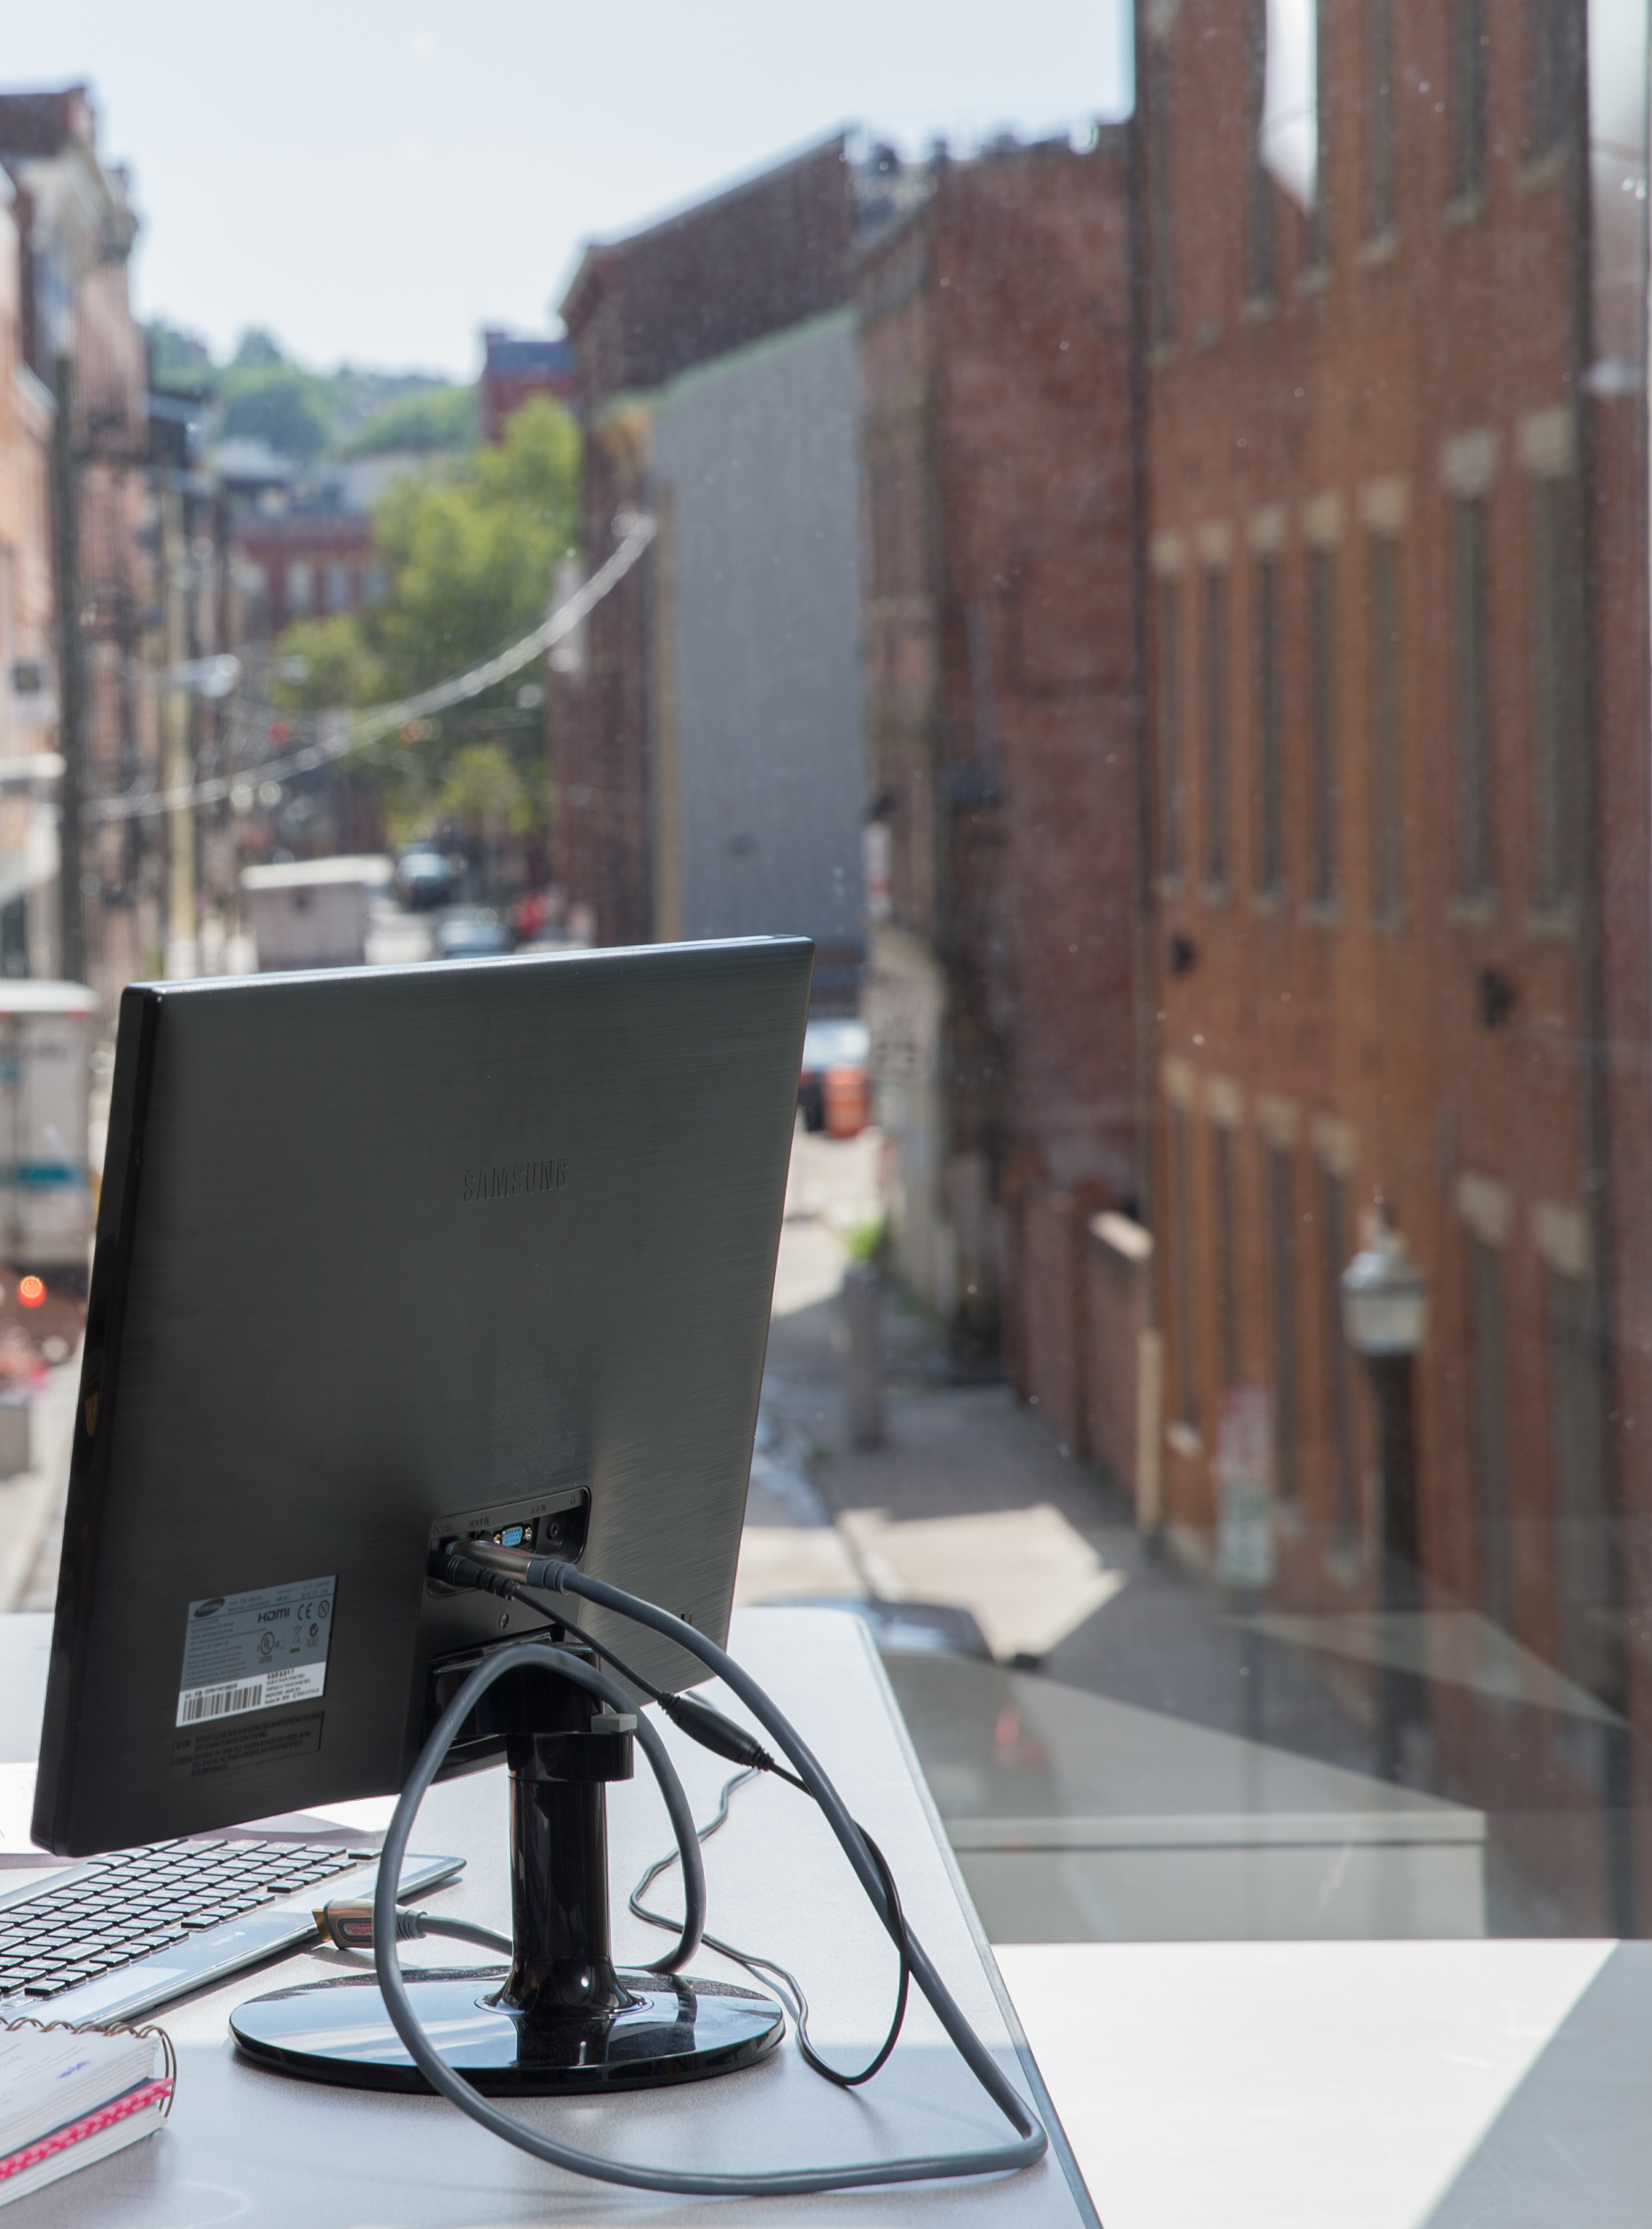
(314, 912)
(46, 1209)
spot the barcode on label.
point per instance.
(219, 1702)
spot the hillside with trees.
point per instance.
(260, 394)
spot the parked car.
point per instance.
(472, 932)
(423, 877)
(829, 1043)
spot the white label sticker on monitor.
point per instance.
(252, 1652)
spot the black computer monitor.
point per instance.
(386, 1256)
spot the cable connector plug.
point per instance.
(701, 1723)
(458, 1569)
(348, 1926)
(544, 1573)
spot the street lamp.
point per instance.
(1385, 1316)
(1385, 1295)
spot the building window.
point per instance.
(1161, 194)
(1335, 1251)
(1380, 118)
(1282, 1268)
(1551, 47)
(1216, 726)
(1322, 720)
(1227, 1253)
(1465, 99)
(1263, 256)
(1488, 1437)
(1173, 784)
(1577, 1459)
(1269, 735)
(1182, 1268)
(1471, 677)
(378, 584)
(300, 586)
(1319, 210)
(1387, 803)
(1557, 656)
(338, 588)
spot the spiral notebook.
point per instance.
(71, 2096)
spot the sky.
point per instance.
(375, 181)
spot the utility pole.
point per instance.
(71, 679)
(178, 771)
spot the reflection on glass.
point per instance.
(1163, 603)
(1417, 393)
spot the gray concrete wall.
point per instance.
(757, 456)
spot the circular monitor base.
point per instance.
(670, 2029)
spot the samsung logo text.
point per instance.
(511, 1180)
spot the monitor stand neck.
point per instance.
(561, 1962)
(561, 2019)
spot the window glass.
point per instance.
(1136, 543)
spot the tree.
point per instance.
(258, 351)
(326, 663)
(440, 418)
(276, 403)
(469, 548)
(176, 358)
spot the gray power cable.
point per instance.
(1032, 2141)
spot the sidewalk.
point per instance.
(972, 1501)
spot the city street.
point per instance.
(1112, 1691)
(1128, 1763)
(973, 1501)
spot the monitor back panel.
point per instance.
(377, 1250)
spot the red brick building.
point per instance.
(514, 369)
(766, 257)
(75, 228)
(1397, 683)
(1002, 693)
(303, 565)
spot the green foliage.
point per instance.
(482, 789)
(308, 415)
(178, 359)
(276, 404)
(259, 351)
(327, 664)
(437, 419)
(864, 1242)
(469, 546)
(470, 550)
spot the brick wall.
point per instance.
(1369, 973)
(996, 324)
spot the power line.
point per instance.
(354, 731)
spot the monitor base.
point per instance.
(668, 2028)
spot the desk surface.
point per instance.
(248, 2146)
(1368, 2085)
(1203, 2085)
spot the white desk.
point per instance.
(1350, 2085)
(1204, 2085)
(248, 2146)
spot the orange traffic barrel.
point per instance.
(847, 1110)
